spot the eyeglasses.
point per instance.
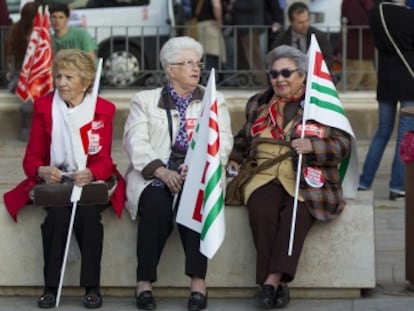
(189, 63)
(286, 73)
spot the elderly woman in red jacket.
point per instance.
(50, 153)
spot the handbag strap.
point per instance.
(269, 163)
(381, 11)
(168, 112)
(267, 140)
(198, 8)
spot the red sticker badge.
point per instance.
(94, 143)
(314, 177)
(190, 124)
(311, 130)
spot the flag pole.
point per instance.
(77, 192)
(299, 166)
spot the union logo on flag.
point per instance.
(35, 78)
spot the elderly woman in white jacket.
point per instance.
(156, 137)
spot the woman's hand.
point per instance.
(232, 168)
(171, 178)
(50, 174)
(183, 169)
(83, 177)
(302, 145)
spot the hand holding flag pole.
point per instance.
(79, 123)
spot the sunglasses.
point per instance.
(286, 73)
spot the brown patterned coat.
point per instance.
(329, 149)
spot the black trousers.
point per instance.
(88, 231)
(156, 222)
(270, 214)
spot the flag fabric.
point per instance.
(35, 77)
(323, 105)
(201, 206)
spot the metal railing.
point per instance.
(133, 61)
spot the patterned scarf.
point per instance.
(274, 117)
(181, 104)
(181, 140)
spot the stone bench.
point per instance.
(338, 258)
(361, 109)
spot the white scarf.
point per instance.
(61, 149)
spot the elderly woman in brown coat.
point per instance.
(271, 133)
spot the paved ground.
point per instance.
(390, 293)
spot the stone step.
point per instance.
(360, 107)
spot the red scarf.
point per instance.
(274, 117)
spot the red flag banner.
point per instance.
(35, 78)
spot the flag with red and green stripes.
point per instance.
(323, 105)
(201, 206)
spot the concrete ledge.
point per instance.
(361, 108)
(337, 261)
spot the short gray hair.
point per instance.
(287, 51)
(172, 49)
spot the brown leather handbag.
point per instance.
(96, 193)
(235, 188)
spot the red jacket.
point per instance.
(38, 154)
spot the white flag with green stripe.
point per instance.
(201, 206)
(324, 106)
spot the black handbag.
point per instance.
(96, 193)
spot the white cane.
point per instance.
(75, 191)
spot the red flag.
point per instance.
(35, 78)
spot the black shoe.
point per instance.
(197, 301)
(146, 301)
(92, 299)
(48, 299)
(394, 195)
(282, 296)
(265, 296)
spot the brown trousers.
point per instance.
(270, 213)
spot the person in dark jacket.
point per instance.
(273, 18)
(298, 34)
(395, 84)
